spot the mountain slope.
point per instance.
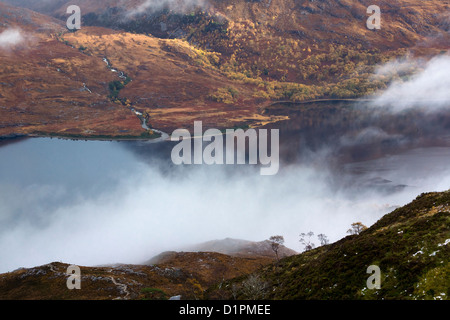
(404, 21)
(187, 274)
(219, 61)
(411, 246)
(47, 86)
(171, 80)
(65, 84)
(242, 248)
(267, 31)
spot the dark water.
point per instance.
(360, 144)
(356, 131)
(95, 202)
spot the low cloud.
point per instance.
(10, 38)
(150, 6)
(144, 210)
(367, 136)
(428, 89)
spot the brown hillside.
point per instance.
(223, 63)
(243, 248)
(42, 84)
(185, 274)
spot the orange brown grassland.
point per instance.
(227, 62)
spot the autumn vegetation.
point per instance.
(223, 64)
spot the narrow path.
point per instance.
(123, 287)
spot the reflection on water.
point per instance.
(392, 173)
(357, 132)
(362, 146)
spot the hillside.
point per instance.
(219, 61)
(406, 21)
(186, 274)
(411, 246)
(242, 248)
(49, 87)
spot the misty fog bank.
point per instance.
(428, 89)
(97, 203)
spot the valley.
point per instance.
(223, 63)
(360, 124)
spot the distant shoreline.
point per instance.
(319, 100)
(97, 138)
(79, 137)
(348, 100)
(161, 135)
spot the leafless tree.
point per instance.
(234, 291)
(254, 288)
(275, 243)
(305, 239)
(323, 239)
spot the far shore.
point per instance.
(79, 137)
(319, 100)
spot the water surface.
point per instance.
(97, 202)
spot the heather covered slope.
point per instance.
(262, 29)
(172, 81)
(242, 248)
(404, 21)
(411, 246)
(47, 86)
(186, 273)
(85, 84)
